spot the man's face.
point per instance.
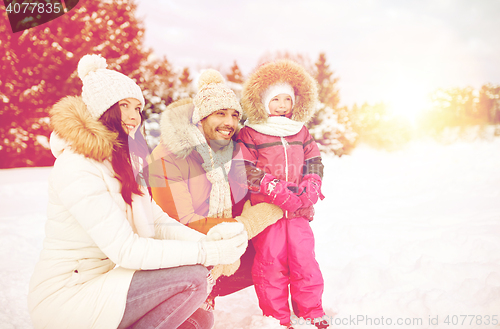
(219, 127)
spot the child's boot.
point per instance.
(321, 323)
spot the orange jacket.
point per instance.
(178, 181)
(180, 187)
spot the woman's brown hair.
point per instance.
(120, 158)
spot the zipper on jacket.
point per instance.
(285, 146)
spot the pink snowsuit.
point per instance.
(284, 251)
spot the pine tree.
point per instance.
(158, 80)
(331, 125)
(38, 67)
(184, 79)
(235, 75)
(452, 107)
(455, 110)
(161, 85)
(327, 84)
(489, 103)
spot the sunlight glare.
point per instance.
(408, 100)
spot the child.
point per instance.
(284, 168)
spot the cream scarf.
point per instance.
(217, 166)
(277, 126)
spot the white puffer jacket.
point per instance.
(92, 246)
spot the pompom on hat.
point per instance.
(102, 88)
(213, 95)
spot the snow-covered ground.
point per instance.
(404, 239)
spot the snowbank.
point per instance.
(404, 239)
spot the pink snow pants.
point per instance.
(285, 256)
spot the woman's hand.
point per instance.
(224, 244)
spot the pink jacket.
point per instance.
(284, 260)
(287, 158)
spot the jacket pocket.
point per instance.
(88, 269)
(75, 276)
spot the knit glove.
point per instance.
(224, 244)
(226, 270)
(278, 193)
(257, 218)
(224, 230)
(310, 190)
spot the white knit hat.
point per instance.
(102, 88)
(275, 90)
(213, 95)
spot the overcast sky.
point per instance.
(382, 50)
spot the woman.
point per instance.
(111, 257)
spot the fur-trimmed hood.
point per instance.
(174, 123)
(75, 128)
(281, 71)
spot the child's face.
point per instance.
(280, 105)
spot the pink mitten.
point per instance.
(310, 190)
(278, 193)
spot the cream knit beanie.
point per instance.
(102, 88)
(213, 95)
(275, 90)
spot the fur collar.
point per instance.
(174, 123)
(72, 122)
(305, 87)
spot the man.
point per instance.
(193, 177)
